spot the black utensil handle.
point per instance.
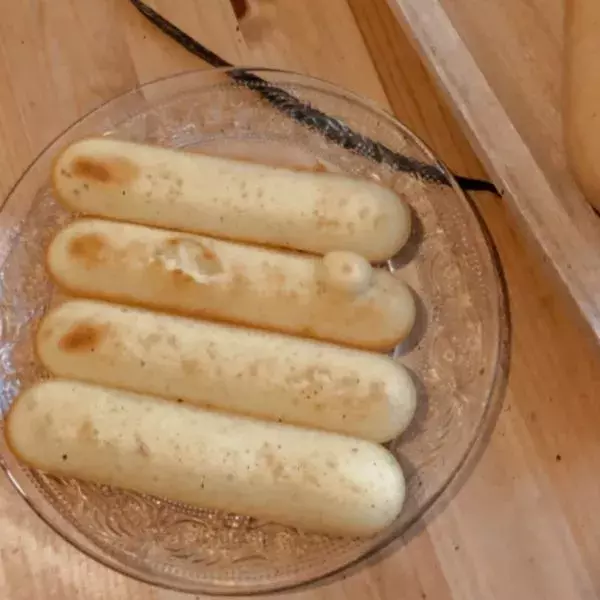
(329, 127)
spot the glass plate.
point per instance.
(456, 350)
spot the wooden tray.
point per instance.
(500, 63)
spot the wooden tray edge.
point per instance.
(563, 225)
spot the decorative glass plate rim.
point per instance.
(498, 381)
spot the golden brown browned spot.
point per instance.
(208, 253)
(110, 170)
(181, 278)
(189, 366)
(87, 431)
(83, 337)
(89, 248)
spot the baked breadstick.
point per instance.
(231, 199)
(203, 277)
(308, 479)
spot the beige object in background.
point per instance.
(231, 199)
(309, 479)
(582, 94)
(204, 277)
(265, 375)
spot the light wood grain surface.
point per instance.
(501, 65)
(525, 523)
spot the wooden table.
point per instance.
(525, 524)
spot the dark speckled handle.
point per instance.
(332, 129)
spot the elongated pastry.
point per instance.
(233, 369)
(231, 199)
(202, 277)
(299, 477)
